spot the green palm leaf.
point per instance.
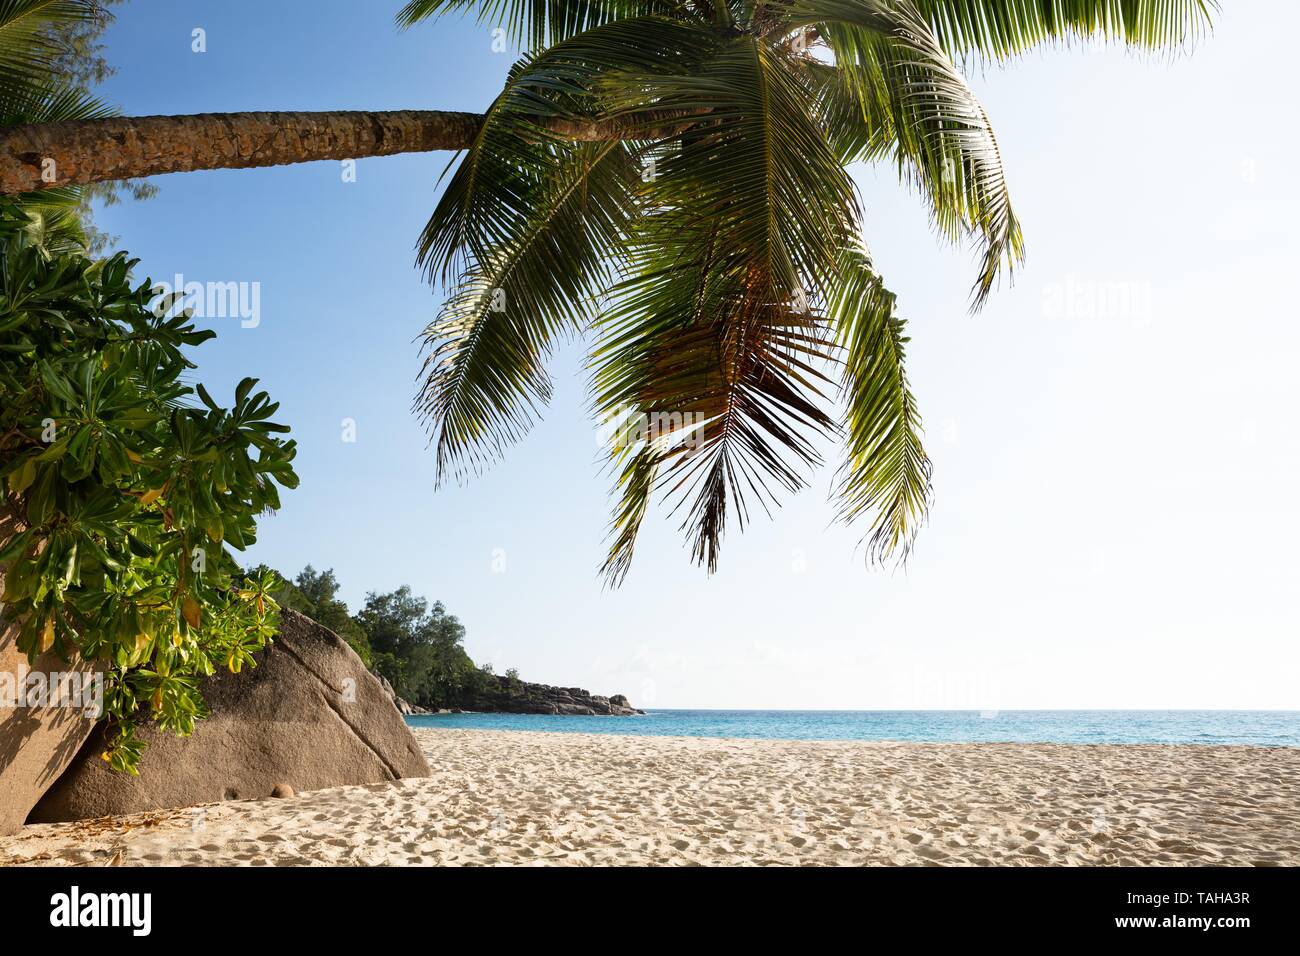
(26, 50)
(1000, 29)
(902, 88)
(886, 473)
(714, 332)
(527, 231)
(485, 374)
(538, 22)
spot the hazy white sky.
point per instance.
(1115, 440)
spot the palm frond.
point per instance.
(999, 29)
(539, 23)
(526, 230)
(26, 49)
(903, 88)
(714, 332)
(49, 103)
(486, 198)
(484, 376)
(715, 413)
(886, 473)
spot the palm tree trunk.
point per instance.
(88, 151)
(77, 152)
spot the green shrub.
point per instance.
(130, 490)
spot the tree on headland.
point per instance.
(669, 178)
(315, 594)
(418, 648)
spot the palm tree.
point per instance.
(669, 178)
(717, 265)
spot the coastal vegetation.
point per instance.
(419, 650)
(417, 647)
(128, 484)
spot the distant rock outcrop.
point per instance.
(308, 716)
(513, 696)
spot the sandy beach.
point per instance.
(519, 798)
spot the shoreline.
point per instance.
(888, 741)
(1270, 729)
(850, 742)
(511, 797)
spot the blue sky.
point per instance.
(1115, 440)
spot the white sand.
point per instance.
(557, 798)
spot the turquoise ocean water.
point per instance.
(1261, 728)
